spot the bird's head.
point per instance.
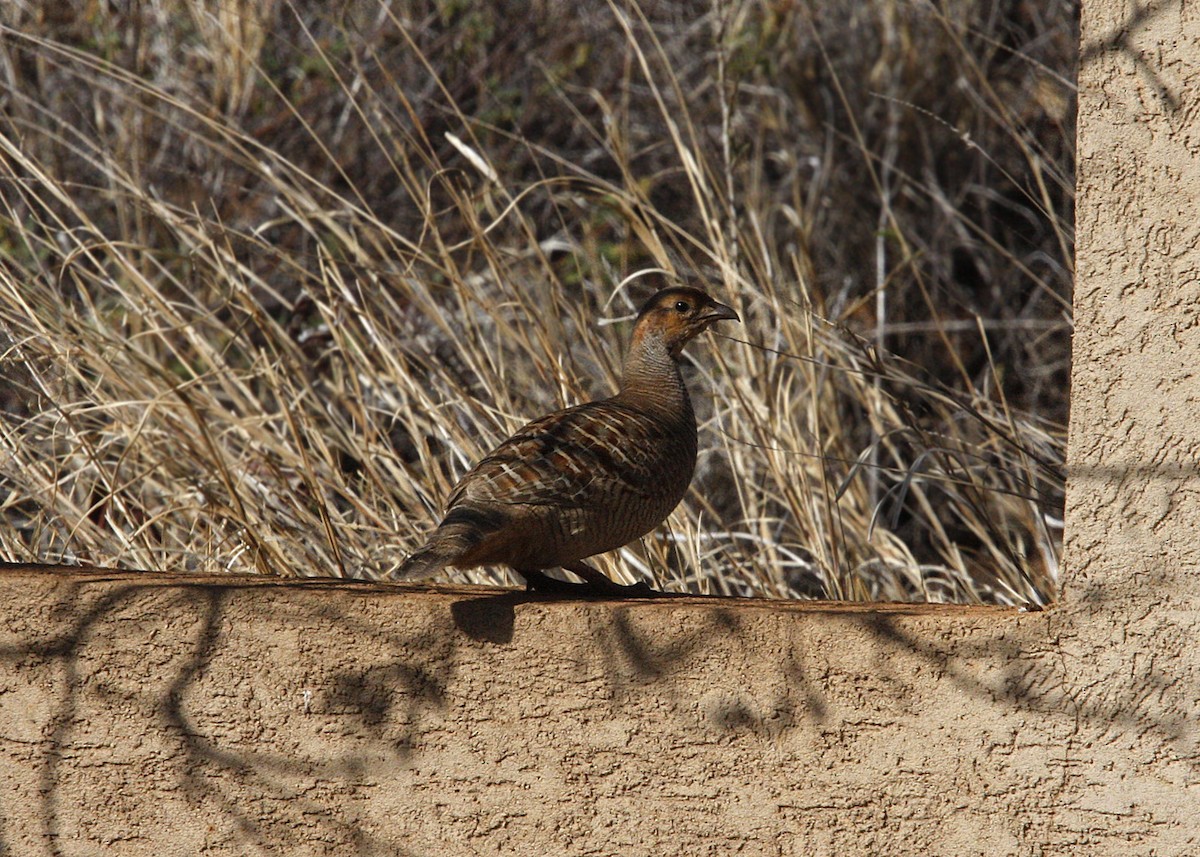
(677, 315)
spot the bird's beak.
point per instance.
(718, 312)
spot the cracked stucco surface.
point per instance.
(153, 715)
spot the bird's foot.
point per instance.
(535, 581)
(641, 589)
(599, 584)
(595, 585)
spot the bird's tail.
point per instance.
(458, 534)
(426, 560)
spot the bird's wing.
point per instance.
(573, 458)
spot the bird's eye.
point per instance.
(682, 306)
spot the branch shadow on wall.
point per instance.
(1123, 39)
(200, 758)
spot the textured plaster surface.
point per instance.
(142, 714)
(150, 714)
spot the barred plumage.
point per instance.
(587, 479)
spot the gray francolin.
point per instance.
(588, 479)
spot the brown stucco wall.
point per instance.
(149, 715)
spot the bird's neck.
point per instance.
(651, 380)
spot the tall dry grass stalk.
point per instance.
(273, 278)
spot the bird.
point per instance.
(587, 479)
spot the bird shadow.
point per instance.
(490, 618)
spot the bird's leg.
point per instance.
(599, 584)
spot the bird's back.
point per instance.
(576, 483)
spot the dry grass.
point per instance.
(273, 278)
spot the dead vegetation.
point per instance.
(273, 276)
